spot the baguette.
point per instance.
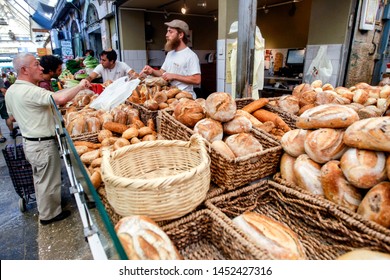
(256, 105)
(115, 127)
(90, 145)
(264, 115)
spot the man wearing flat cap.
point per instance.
(181, 66)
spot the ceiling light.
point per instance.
(202, 3)
(184, 8)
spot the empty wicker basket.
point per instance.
(162, 179)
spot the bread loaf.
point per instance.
(371, 134)
(210, 129)
(255, 122)
(307, 98)
(220, 106)
(239, 124)
(189, 112)
(243, 144)
(375, 205)
(93, 124)
(220, 147)
(337, 188)
(289, 104)
(364, 254)
(255, 105)
(325, 144)
(143, 239)
(88, 157)
(115, 127)
(287, 168)
(103, 134)
(327, 116)
(276, 238)
(363, 168)
(308, 174)
(293, 141)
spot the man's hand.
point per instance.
(168, 76)
(147, 70)
(85, 84)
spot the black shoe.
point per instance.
(3, 139)
(63, 215)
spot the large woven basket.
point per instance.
(278, 178)
(161, 179)
(324, 230)
(203, 235)
(229, 174)
(89, 136)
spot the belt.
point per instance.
(40, 138)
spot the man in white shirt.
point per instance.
(110, 69)
(181, 66)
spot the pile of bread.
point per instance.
(368, 101)
(115, 129)
(155, 94)
(83, 98)
(335, 155)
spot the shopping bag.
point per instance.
(320, 68)
(115, 94)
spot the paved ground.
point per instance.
(22, 237)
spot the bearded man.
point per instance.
(181, 67)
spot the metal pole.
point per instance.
(245, 47)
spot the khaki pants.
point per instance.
(46, 165)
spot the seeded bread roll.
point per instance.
(277, 238)
(293, 141)
(375, 205)
(337, 188)
(325, 144)
(327, 116)
(308, 173)
(220, 106)
(143, 239)
(363, 168)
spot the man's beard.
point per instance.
(172, 44)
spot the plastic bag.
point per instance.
(115, 94)
(320, 68)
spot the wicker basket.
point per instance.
(324, 230)
(277, 178)
(144, 113)
(229, 174)
(160, 179)
(90, 137)
(203, 235)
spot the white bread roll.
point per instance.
(325, 144)
(371, 134)
(375, 205)
(210, 129)
(276, 238)
(143, 239)
(363, 168)
(289, 104)
(293, 141)
(327, 116)
(287, 168)
(189, 112)
(239, 124)
(364, 254)
(243, 144)
(308, 173)
(220, 106)
(337, 188)
(220, 147)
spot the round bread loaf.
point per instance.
(210, 129)
(103, 134)
(325, 144)
(363, 168)
(308, 173)
(375, 205)
(287, 168)
(143, 239)
(364, 254)
(238, 124)
(189, 112)
(276, 238)
(307, 97)
(337, 188)
(293, 141)
(220, 106)
(243, 144)
(289, 103)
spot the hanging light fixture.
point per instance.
(184, 8)
(202, 3)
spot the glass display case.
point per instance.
(98, 229)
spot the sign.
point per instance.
(41, 51)
(67, 52)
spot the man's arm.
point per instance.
(91, 77)
(62, 96)
(150, 71)
(191, 80)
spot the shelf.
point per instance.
(277, 88)
(283, 78)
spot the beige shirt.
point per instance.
(31, 107)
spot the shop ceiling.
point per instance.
(194, 7)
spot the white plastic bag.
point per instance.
(320, 68)
(115, 94)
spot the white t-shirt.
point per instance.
(120, 70)
(184, 62)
